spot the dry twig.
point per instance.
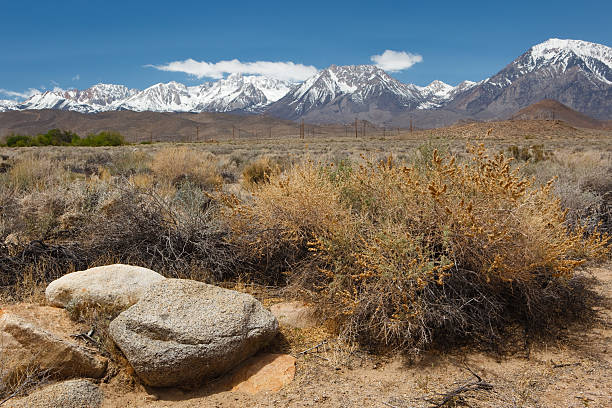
(467, 387)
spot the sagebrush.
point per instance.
(406, 256)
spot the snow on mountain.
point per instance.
(100, 97)
(557, 57)
(435, 94)
(103, 95)
(575, 73)
(438, 93)
(7, 105)
(438, 89)
(168, 97)
(355, 85)
(56, 99)
(238, 92)
(597, 58)
(234, 93)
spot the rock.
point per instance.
(182, 332)
(266, 372)
(294, 314)
(38, 337)
(117, 286)
(67, 394)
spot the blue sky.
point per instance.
(71, 44)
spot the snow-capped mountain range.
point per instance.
(234, 93)
(577, 73)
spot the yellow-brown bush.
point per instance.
(260, 171)
(35, 172)
(407, 256)
(174, 165)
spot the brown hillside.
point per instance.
(144, 126)
(549, 109)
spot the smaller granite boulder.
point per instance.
(118, 286)
(182, 332)
(67, 394)
(39, 338)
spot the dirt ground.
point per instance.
(574, 371)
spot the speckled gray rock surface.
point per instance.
(182, 331)
(67, 394)
(110, 285)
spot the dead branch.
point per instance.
(313, 348)
(467, 387)
(555, 365)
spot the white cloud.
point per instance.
(289, 71)
(394, 61)
(76, 77)
(20, 95)
(54, 83)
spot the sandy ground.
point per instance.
(574, 371)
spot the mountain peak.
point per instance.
(557, 49)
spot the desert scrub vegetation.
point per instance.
(259, 171)
(176, 165)
(400, 253)
(409, 256)
(56, 217)
(582, 182)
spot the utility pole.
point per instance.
(356, 128)
(302, 129)
(410, 125)
(151, 136)
(197, 133)
(233, 132)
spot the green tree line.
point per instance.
(57, 137)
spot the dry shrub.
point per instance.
(32, 172)
(406, 257)
(25, 273)
(582, 181)
(130, 163)
(177, 164)
(178, 236)
(260, 171)
(285, 215)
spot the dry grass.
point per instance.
(177, 164)
(35, 172)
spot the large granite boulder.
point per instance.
(181, 332)
(39, 338)
(118, 286)
(67, 394)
